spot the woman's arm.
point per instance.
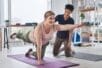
(70, 35)
(65, 27)
(70, 39)
(38, 38)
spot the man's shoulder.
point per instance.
(71, 18)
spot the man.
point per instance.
(64, 36)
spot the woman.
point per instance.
(43, 32)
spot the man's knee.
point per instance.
(68, 52)
(55, 53)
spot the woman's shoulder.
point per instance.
(56, 27)
(39, 27)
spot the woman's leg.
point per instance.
(42, 52)
(57, 46)
(13, 36)
(27, 54)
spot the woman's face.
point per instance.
(50, 19)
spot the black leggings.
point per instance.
(57, 45)
(42, 52)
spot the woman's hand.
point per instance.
(39, 62)
(80, 25)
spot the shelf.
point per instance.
(87, 9)
(90, 11)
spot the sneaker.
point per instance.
(28, 53)
(13, 36)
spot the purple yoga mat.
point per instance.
(48, 62)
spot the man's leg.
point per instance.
(57, 45)
(67, 48)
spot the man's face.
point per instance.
(67, 13)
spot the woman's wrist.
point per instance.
(77, 25)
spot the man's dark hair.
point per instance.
(69, 6)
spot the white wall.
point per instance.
(1, 12)
(1, 22)
(28, 10)
(58, 6)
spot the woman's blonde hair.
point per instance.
(48, 13)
